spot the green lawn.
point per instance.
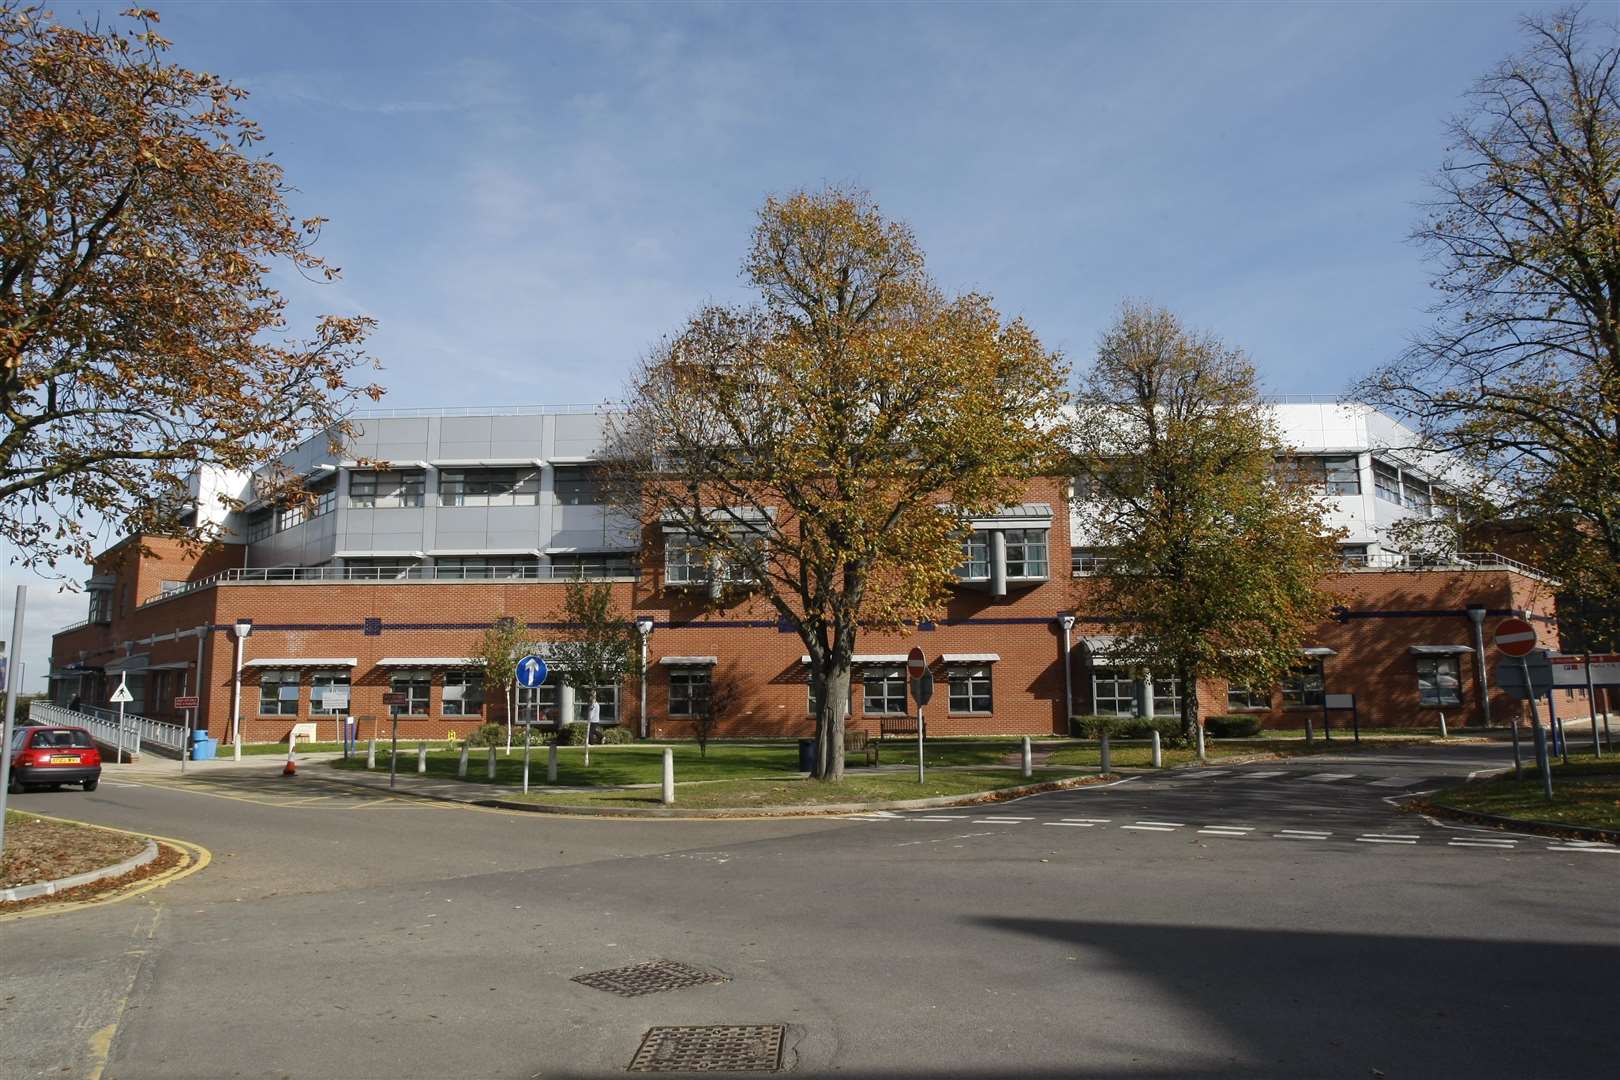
(858, 787)
(1586, 792)
(610, 765)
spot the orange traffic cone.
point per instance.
(291, 768)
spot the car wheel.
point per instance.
(90, 785)
(16, 787)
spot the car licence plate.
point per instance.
(64, 759)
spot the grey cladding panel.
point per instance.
(578, 435)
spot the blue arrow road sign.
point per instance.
(531, 672)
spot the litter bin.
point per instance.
(807, 755)
(203, 748)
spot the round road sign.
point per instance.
(916, 662)
(1515, 637)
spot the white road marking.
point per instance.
(1329, 777)
(1296, 834)
(1150, 828)
(1073, 824)
(1000, 820)
(1210, 772)
(1493, 844)
(1386, 839)
(1239, 833)
(1604, 849)
(1172, 824)
(942, 817)
(1090, 820)
(1267, 775)
(1396, 781)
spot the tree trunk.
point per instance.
(509, 692)
(832, 707)
(1189, 705)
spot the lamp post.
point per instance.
(1476, 615)
(243, 630)
(1066, 621)
(644, 627)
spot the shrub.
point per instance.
(616, 736)
(1129, 727)
(488, 735)
(1232, 727)
(568, 734)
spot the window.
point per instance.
(416, 686)
(489, 487)
(883, 690)
(385, 568)
(1417, 496)
(1353, 554)
(1113, 692)
(1087, 560)
(385, 488)
(1341, 475)
(278, 693)
(1166, 696)
(259, 525)
(1437, 681)
(64, 738)
(1241, 697)
(486, 567)
(539, 703)
(975, 558)
(688, 691)
(463, 693)
(578, 485)
(684, 563)
(747, 563)
(970, 689)
(1026, 553)
(329, 693)
(607, 696)
(607, 564)
(100, 605)
(325, 498)
(1387, 482)
(288, 516)
(1303, 688)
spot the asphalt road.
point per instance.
(1279, 920)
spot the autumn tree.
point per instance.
(1519, 376)
(821, 451)
(1215, 556)
(139, 334)
(597, 645)
(504, 643)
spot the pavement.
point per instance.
(1281, 919)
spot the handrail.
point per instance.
(292, 575)
(482, 410)
(103, 724)
(1455, 560)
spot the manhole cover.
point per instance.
(713, 1048)
(649, 978)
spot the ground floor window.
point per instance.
(417, 686)
(1166, 697)
(607, 696)
(1438, 683)
(689, 692)
(463, 693)
(1113, 692)
(538, 704)
(329, 693)
(1241, 697)
(1303, 687)
(970, 689)
(883, 691)
(278, 693)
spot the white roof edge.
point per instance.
(303, 661)
(379, 554)
(448, 552)
(352, 463)
(430, 661)
(688, 661)
(868, 658)
(970, 657)
(1319, 650)
(456, 463)
(1440, 650)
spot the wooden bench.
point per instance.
(859, 742)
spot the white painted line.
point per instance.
(1073, 824)
(1262, 775)
(1301, 836)
(999, 821)
(942, 817)
(1210, 772)
(1329, 777)
(1172, 824)
(1383, 840)
(1304, 832)
(1480, 844)
(1582, 847)
(1149, 828)
(1396, 781)
(1234, 833)
(1090, 820)
(1009, 817)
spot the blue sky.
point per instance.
(527, 196)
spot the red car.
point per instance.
(53, 756)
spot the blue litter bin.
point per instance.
(807, 755)
(202, 747)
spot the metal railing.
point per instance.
(483, 410)
(295, 575)
(103, 724)
(1456, 560)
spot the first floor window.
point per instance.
(1304, 686)
(607, 697)
(605, 564)
(1387, 482)
(1113, 692)
(278, 693)
(486, 567)
(416, 686)
(883, 690)
(684, 562)
(1166, 696)
(1242, 697)
(577, 485)
(383, 568)
(689, 692)
(1026, 553)
(970, 689)
(260, 524)
(463, 693)
(329, 693)
(1438, 683)
(376, 488)
(1088, 560)
(975, 558)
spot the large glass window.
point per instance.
(607, 696)
(329, 692)
(278, 693)
(260, 524)
(288, 516)
(485, 567)
(489, 487)
(1239, 697)
(1026, 553)
(100, 605)
(383, 488)
(684, 563)
(970, 689)
(688, 691)
(324, 496)
(883, 691)
(417, 686)
(1303, 687)
(1341, 475)
(1166, 696)
(975, 557)
(578, 485)
(591, 565)
(382, 568)
(1387, 482)
(1113, 692)
(463, 693)
(1088, 560)
(538, 704)
(1438, 683)
(1417, 495)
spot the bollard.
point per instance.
(669, 777)
(1201, 756)
(551, 764)
(371, 753)
(1029, 764)
(1102, 749)
(1442, 725)
(461, 766)
(490, 772)
(421, 757)
(1158, 755)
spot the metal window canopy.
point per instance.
(688, 661)
(139, 662)
(489, 463)
(586, 542)
(1032, 515)
(1319, 651)
(868, 658)
(379, 554)
(447, 553)
(304, 661)
(971, 658)
(1440, 650)
(430, 661)
(742, 516)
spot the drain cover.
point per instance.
(649, 978)
(713, 1048)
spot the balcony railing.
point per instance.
(302, 575)
(1382, 561)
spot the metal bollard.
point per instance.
(551, 764)
(1103, 758)
(1029, 763)
(1201, 756)
(1442, 725)
(490, 772)
(461, 766)
(669, 777)
(371, 753)
(421, 757)
(1158, 754)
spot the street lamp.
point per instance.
(644, 627)
(1476, 615)
(1066, 620)
(243, 630)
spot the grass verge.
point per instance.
(1586, 794)
(610, 765)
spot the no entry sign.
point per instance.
(1515, 637)
(916, 663)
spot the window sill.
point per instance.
(1302, 708)
(953, 712)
